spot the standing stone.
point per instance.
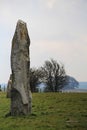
(20, 64)
(9, 86)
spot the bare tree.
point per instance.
(54, 75)
(35, 78)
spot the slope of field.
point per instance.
(50, 111)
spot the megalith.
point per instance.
(20, 92)
(9, 86)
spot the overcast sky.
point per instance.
(57, 29)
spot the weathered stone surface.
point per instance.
(9, 86)
(20, 64)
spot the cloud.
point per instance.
(50, 3)
(72, 55)
(57, 29)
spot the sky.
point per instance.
(57, 29)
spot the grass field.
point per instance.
(50, 111)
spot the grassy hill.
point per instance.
(50, 111)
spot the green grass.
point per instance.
(50, 111)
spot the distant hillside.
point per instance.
(83, 85)
(77, 90)
(71, 83)
(72, 86)
(75, 86)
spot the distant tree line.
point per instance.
(51, 73)
(0, 88)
